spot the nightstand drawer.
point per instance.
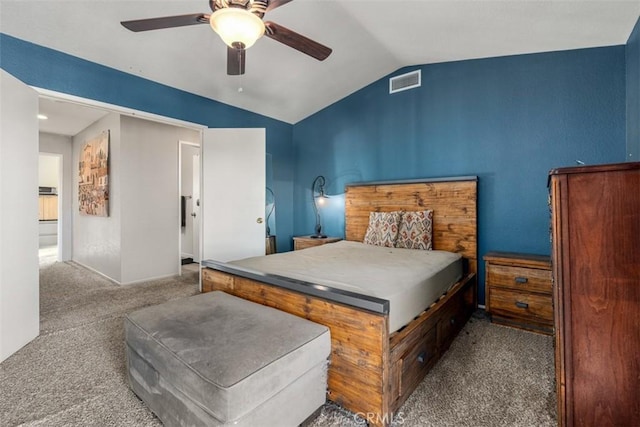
(519, 290)
(521, 305)
(520, 278)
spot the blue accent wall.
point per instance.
(50, 69)
(633, 95)
(508, 120)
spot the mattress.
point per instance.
(411, 280)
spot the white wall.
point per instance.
(19, 283)
(186, 233)
(139, 239)
(97, 240)
(47, 171)
(63, 145)
(150, 198)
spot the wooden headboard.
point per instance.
(453, 201)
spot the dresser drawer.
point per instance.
(520, 278)
(521, 305)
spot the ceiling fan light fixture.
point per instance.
(235, 25)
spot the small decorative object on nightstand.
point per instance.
(519, 290)
(303, 242)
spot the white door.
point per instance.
(233, 193)
(19, 278)
(195, 207)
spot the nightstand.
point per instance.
(519, 290)
(303, 242)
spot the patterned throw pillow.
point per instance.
(416, 230)
(382, 229)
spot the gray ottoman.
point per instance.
(215, 359)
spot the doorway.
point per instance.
(189, 217)
(22, 102)
(49, 208)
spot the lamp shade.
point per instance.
(235, 25)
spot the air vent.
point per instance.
(405, 81)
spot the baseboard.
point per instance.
(134, 282)
(111, 279)
(148, 279)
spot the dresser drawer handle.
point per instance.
(422, 357)
(522, 304)
(521, 280)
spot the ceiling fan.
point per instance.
(239, 23)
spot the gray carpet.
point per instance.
(74, 372)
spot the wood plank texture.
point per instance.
(303, 242)
(519, 290)
(416, 348)
(454, 206)
(596, 242)
(359, 339)
(371, 372)
(520, 278)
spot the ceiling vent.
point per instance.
(405, 81)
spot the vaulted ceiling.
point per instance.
(369, 38)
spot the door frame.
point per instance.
(59, 96)
(65, 97)
(181, 144)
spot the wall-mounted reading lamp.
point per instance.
(318, 199)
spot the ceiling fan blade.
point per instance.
(297, 41)
(276, 3)
(166, 22)
(235, 61)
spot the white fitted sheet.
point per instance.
(411, 280)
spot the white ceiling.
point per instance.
(370, 39)
(66, 118)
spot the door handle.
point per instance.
(259, 220)
(193, 214)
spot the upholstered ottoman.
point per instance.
(215, 359)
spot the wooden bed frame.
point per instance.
(372, 372)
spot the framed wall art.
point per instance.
(93, 184)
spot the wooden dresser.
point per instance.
(519, 291)
(596, 265)
(302, 242)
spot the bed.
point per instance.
(377, 360)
